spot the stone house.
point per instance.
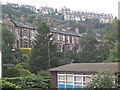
(25, 33)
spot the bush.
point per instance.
(25, 65)
(103, 79)
(11, 72)
(23, 72)
(31, 81)
(9, 86)
(15, 80)
(43, 73)
(34, 81)
(19, 66)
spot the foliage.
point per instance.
(31, 81)
(7, 85)
(23, 72)
(103, 79)
(16, 71)
(71, 57)
(43, 73)
(11, 72)
(114, 55)
(24, 65)
(19, 66)
(14, 80)
(41, 57)
(7, 41)
(88, 44)
(30, 18)
(43, 51)
(7, 9)
(34, 81)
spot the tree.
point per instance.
(88, 48)
(71, 57)
(114, 54)
(43, 51)
(7, 42)
(103, 79)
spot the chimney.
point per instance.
(76, 29)
(68, 28)
(48, 21)
(6, 19)
(22, 20)
(36, 21)
(58, 26)
(7, 16)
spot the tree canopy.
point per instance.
(43, 51)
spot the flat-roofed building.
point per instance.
(77, 75)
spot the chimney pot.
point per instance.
(22, 18)
(36, 21)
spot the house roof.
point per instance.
(32, 26)
(65, 32)
(88, 67)
(23, 25)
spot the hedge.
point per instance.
(9, 86)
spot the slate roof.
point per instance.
(22, 25)
(88, 67)
(32, 26)
(65, 32)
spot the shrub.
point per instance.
(19, 66)
(25, 65)
(24, 72)
(11, 72)
(9, 86)
(34, 81)
(15, 80)
(103, 79)
(43, 73)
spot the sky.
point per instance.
(99, 6)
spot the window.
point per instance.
(72, 80)
(78, 78)
(68, 38)
(77, 83)
(69, 79)
(86, 79)
(73, 39)
(61, 77)
(63, 37)
(58, 37)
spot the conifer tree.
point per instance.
(43, 51)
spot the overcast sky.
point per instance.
(100, 6)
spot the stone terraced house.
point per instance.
(25, 33)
